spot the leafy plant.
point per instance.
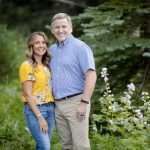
(121, 116)
(14, 134)
(118, 32)
(11, 44)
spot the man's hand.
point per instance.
(81, 111)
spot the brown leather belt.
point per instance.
(47, 104)
(66, 97)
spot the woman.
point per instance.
(35, 79)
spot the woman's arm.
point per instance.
(27, 91)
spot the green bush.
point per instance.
(12, 47)
(14, 134)
(122, 118)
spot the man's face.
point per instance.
(61, 29)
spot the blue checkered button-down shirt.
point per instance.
(69, 63)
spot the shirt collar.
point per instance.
(64, 42)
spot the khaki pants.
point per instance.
(72, 132)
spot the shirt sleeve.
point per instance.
(26, 73)
(86, 58)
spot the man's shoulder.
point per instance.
(81, 45)
(75, 39)
(53, 47)
(78, 42)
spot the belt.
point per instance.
(66, 97)
(44, 104)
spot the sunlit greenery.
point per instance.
(118, 32)
(12, 50)
(122, 118)
(14, 134)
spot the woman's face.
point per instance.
(39, 47)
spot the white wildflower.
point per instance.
(109, 91)
(104, 72)
(135, 119)
(27, 129)
(104, 69)
(128, 102)
(144, 93)
(131, 87)
(128, 96)
(141, 116)
(138, 111)
(94, 128)
(105, 79)
(111, 121)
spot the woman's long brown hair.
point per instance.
(29, 50)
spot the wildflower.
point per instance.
(111, 121)
(104, 72)
(105, 79)
(145, 96)
(112, 107)
(94, 127)
(138, 111)
(135, 119)
(128, 96)
(141, 116)
(149, 109)
(104, 69)
(27, 129)
(144, 93)
(131, 87)
(109, 91)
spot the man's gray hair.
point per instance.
(61, 16)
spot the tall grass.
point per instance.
(14, 134)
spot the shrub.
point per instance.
(11, 44)
(121, 116)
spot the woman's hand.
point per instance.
(43, 125)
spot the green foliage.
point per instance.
(33, 15)
(14, 134)
(118, 32)
(12, 125)
(139, 141)
(11, 52)
(123, 118)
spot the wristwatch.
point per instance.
(84, 101)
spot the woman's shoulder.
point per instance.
(26, 64)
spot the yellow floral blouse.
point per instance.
(41, 77)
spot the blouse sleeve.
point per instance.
(26, 73)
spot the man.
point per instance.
(73, 78)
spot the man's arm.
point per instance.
(88, 91)
(89, 84)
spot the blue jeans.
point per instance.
(48, 112)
